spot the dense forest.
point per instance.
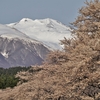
(7, 76)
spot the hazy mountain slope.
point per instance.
(27, 42)
(3, 62)
(17, 49)
(48, 31)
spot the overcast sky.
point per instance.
(64, 11)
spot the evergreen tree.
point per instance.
(7, 76)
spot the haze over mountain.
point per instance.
(27, 42)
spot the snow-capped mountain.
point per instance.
(28, 41)
(48, 31)
(17, 49)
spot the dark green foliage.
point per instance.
(7, 76)
(8, 81)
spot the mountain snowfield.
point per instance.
(47, 31)
(12, 33)
(6, 31)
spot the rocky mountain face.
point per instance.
(19, 50)
(3, 62)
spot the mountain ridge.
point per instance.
(28, 41)
(48, 31)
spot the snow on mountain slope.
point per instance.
(26, 42)
(17, 49)
(48, 31)
(12, 33)
(5, 31)
(18, 52)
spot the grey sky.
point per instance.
(64, 11)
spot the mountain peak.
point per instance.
(45, 21)
(25, 20)
(48, 31)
